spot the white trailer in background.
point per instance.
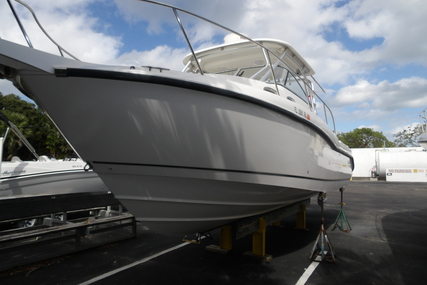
(406, 174)
(389, 163)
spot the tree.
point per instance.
(35, 126)
(364, 138)
(408, 137)
(12, 144)
(55, 143)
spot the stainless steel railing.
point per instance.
(328, 115)
(61, 49)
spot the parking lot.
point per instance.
(387, 245)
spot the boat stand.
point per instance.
(342, 222)
(258, 242)
(318, 252)
(257, 226)
(301, 218)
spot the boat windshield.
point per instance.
(282, 76)
(271, 61)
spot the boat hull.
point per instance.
(204, 148)
(57, 183)
(177, 201)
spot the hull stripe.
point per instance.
(216, 170)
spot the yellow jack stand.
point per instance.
(256, 225)
(301, 218)
(258, 242)
(225, 243)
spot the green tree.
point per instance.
(55, 143)
(35, 126)
(408, 137)
(364, 138)
(12, 144)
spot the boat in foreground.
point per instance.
(240, 132)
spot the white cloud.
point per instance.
(6, 87)
(405, 127)
(69, 23)
(161, 56)
(302, 24)
(376, 128)
(404, 93)
(400, 23)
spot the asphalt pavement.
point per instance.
(387, 245)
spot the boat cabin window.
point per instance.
(247, 72)
(283, 77)
(287, 80)
(231, 64)
(293, 85)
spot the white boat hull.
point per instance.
(180, 201)
(203, 159)
(44, 177)
(185, 153)
(56, 183)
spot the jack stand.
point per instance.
(258, 242)
(225, 243)
(302, 218)
(319, 245)
(341, 222)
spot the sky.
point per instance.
(370, 56)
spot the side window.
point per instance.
(293, 85)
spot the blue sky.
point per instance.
(369, 55)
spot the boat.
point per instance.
(45, 185)
(47, 176)
(30, 189)
(422, 139)
(239, 132)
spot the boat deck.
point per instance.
(386, 246)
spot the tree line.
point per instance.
(368, 138)
(35, 126)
